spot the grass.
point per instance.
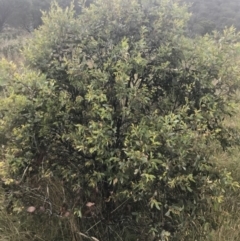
(229, 229)
(229, 220)
(11, 42)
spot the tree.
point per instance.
(116, 118)
(213, 15)
(26, 14)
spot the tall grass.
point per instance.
(11, 43)
(229, 219)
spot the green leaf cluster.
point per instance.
(123, 108)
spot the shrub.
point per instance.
(120, 108)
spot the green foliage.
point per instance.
(121, 108)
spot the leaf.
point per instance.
(42, 209)
(115, 181)
(90, 204)
(31, 209)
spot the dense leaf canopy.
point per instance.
(119, 107)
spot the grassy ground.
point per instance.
(229, 220)
(229, 229)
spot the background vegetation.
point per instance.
(209, 15)
(115, 124)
